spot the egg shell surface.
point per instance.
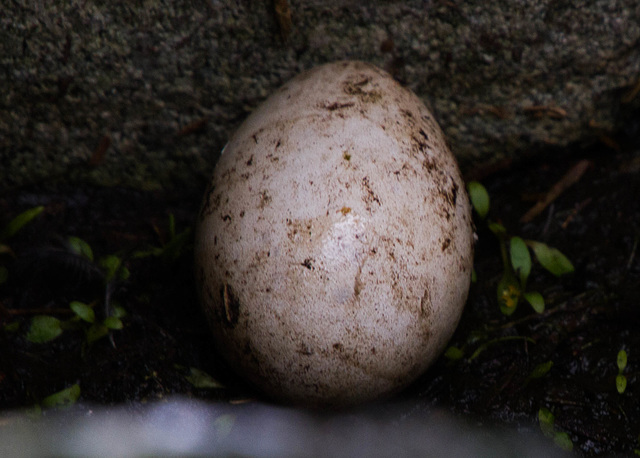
(334, 245)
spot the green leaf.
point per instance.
(4, 274)
(113, 322)
(201, 379)
(113, 266)
(541, 369)
(63, 398)
(19, 221)
(498, 230)
(43, 329)
(110, 264)
(80, 247)
(551, 258)
(621, 383)
(546, 420)
(176, 246)
(622, 360)
(83, 311)
(508, 293)
(563, 441)
(96, 331)
(474, 276)
(453, 353)
(479, 198)
(520, 259)
(536, 300)
(118, 311)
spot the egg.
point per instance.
(334, 245)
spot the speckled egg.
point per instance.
(334, 245)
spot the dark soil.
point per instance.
(590, 314)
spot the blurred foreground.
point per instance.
(182, 427)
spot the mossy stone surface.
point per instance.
(146, 93)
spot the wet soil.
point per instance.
(590, 314)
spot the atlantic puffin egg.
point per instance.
(334, 244)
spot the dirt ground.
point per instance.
(590, 314)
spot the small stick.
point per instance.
(578, 208)
(551, 111)
(283, 17)
(633, 253)
(568, 180)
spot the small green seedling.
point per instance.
(83, 311)
(80, 247)
(551, 258)
(454, 353)
(547, 425)
(63, 398)
(11, 229)
(541, 370)
(97, 329)
(112, 270)
(173, 248)
(111, 266)
(479, 198)
(45, 328)
(516, 258)
(621, 379)
(19, 222)
(201, 379)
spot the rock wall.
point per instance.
(145, 93)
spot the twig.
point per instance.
(578, 208)
(193, 127)
(242, 401)
(498, 111)
(547, 224)
(633, 92)
(569, 179)
(283, 17)
(633, 253)
(551, 111)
